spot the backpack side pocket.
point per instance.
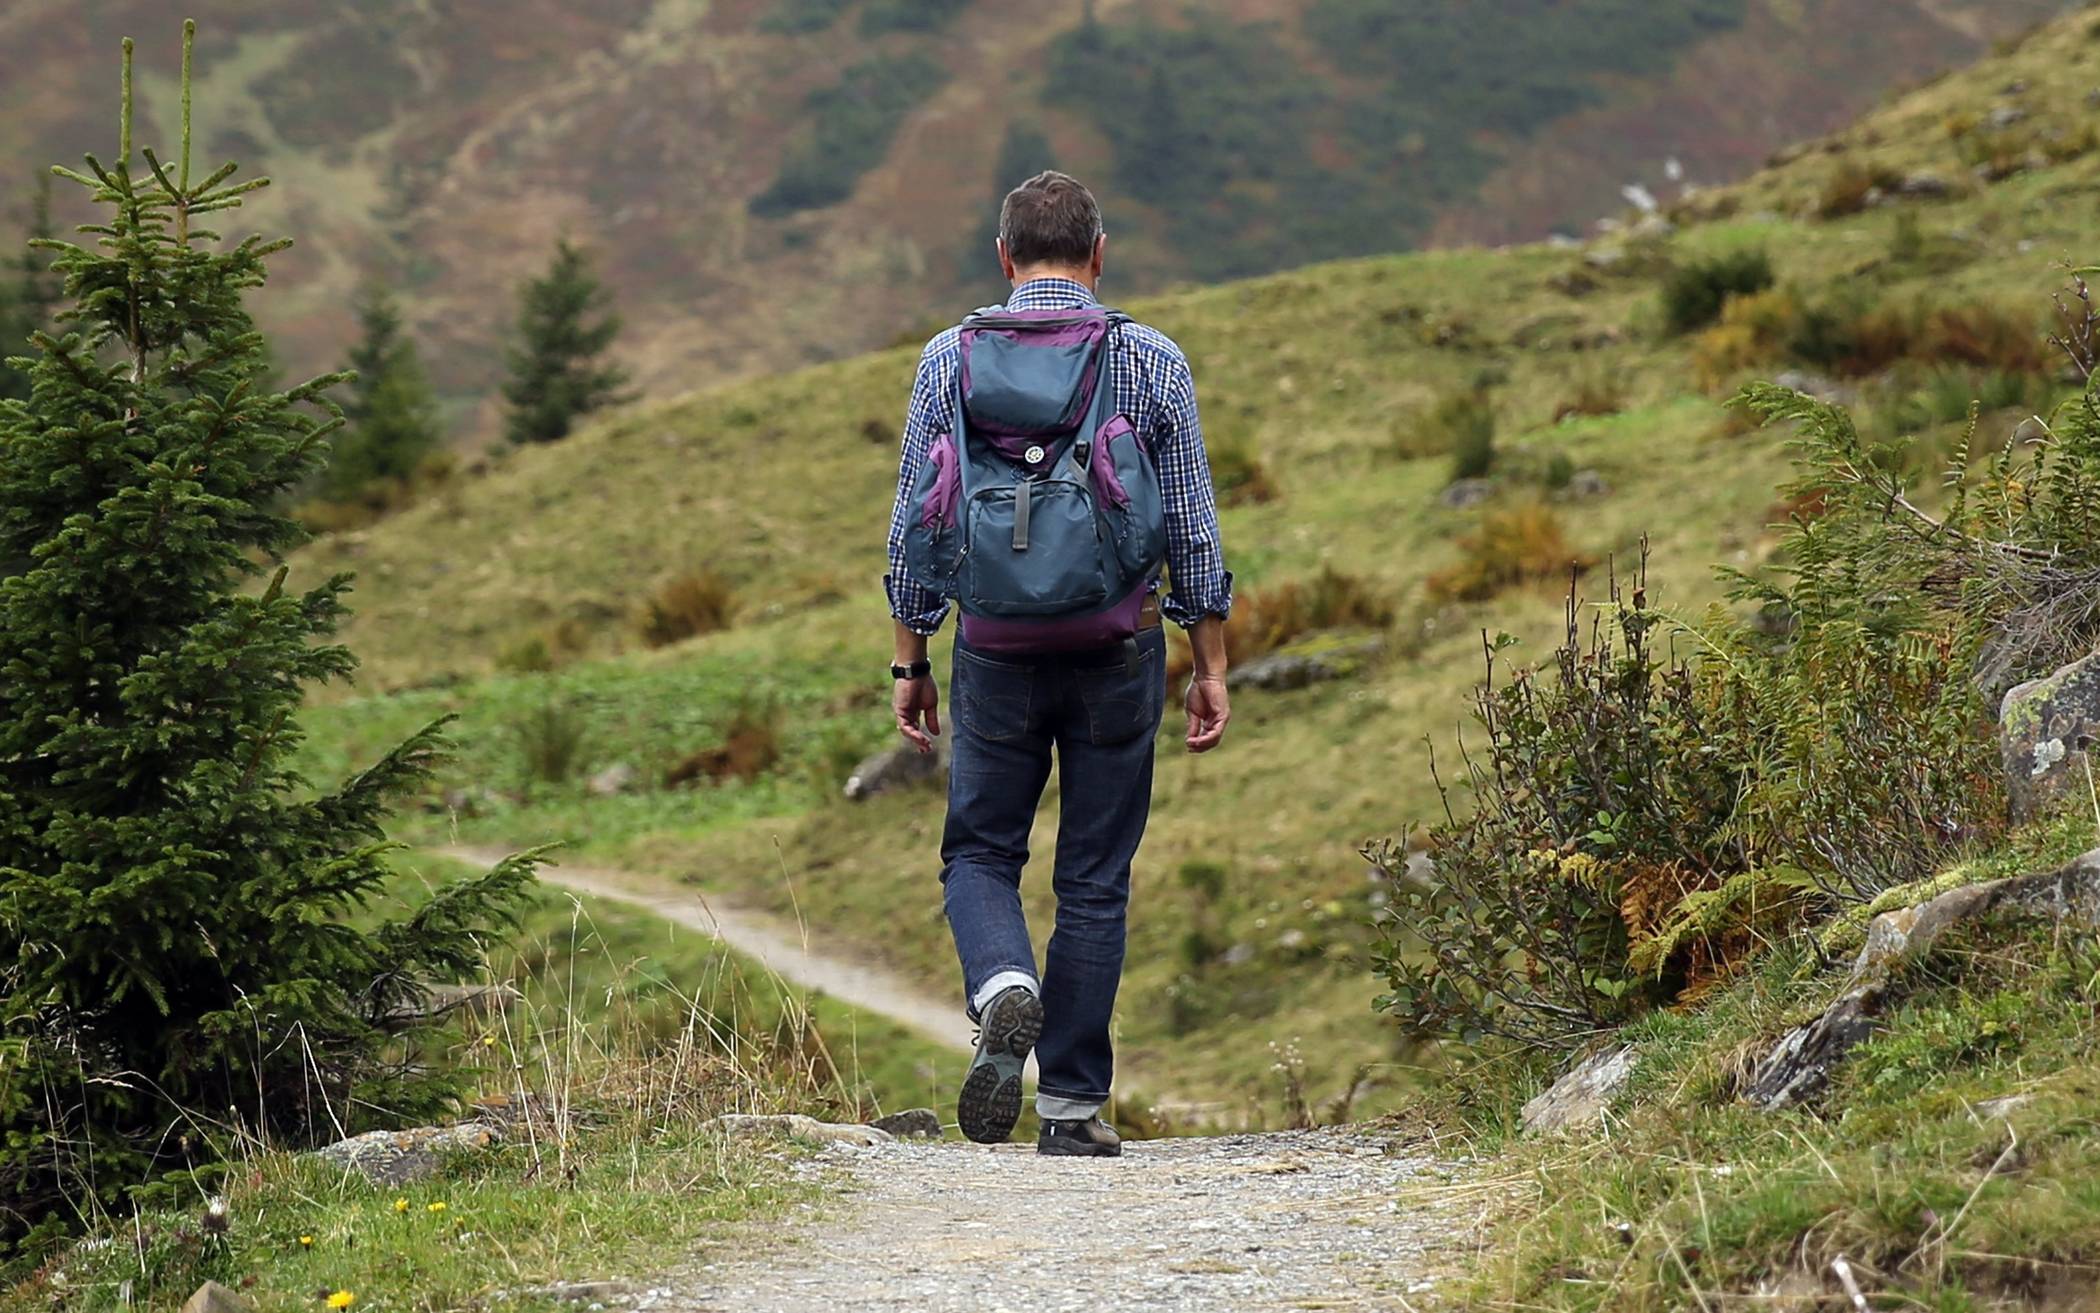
(933, 538)
(1126, 482)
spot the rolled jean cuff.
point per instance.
(1065, 1108)
(1000, 982)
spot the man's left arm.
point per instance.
(1202, 587)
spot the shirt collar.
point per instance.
(1050, 294)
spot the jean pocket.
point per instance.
(1121, 706)
(993, 699)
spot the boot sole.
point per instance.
(990, 1102)
(1066, 1149)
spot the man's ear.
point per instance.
(1006, 266)
(1100, 251)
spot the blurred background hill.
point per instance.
(758, 173)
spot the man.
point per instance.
(1098, 711)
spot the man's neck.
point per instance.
(1084, 277)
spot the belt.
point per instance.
(1148, 614)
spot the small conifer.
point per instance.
(390, 412)
(557, 369)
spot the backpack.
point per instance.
(1040, 515)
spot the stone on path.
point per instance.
(398, 1157)
(1579, 1098)
(211, 1297)
(2045, 727)
(920, 1123)
(800, 1127)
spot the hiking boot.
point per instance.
(990, 1102)
(1090, 1138)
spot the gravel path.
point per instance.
(1302, 1220)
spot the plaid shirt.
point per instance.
(1153, 390)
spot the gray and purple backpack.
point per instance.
(1040, 514)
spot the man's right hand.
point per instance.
(917, 703)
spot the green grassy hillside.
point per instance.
(1317, 382)
(798, 180)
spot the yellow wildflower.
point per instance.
(306, 1242)
(437, 1207)
(488, 1041)
(401, 1205)
(341, 1299)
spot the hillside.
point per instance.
(1318, 380)
(771, 182)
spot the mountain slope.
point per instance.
(1319, 379)
(776, 181)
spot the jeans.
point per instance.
(1102, 719)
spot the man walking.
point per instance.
(1048, 533)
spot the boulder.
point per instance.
(1580, 1097)
(899, 767)
(912, 1123)
(1463, 494)
(800, 1127)
(1924, 186)
(1819, 386)
(392, 1158)
(612, 781)
(1799, 1067)
(1585, 485)
(2045, 727)
(1305, 664)
(211, 1297)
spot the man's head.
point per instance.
(1050, 226)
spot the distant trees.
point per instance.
(28, 294)
(390, 412)
(189, 957)
(557, 371)
(1023, 153)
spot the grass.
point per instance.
(1937, 1198)
(618, 1039)
(1314, 372)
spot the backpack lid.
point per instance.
(1031, 373)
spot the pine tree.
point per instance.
(185, 923)
(390, 411)
(564, 328)
(28, 296)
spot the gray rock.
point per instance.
(1607, 259)
(612, 781)
(912, 1123)
(1799, 1067)
(900, 767)
(1924, 186)
(2006, 116)
(2045, 728)
(211, 1297)
(2032, 429)
(1819, 386)
(800, 1127)
(584, 1292)
(1305, 665)
(1586, 484)
(1580, 1097)
(1464, 494)
(398, 1157)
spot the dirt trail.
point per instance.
(779, 946)
(1295, 1219)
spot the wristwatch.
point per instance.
(916, 670)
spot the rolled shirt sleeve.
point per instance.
(917, 607)
(1201, 586)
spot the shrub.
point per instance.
(550, 739)
(1851, 188)
(1512, 545)
(687, 606)
(1266, 619)
(1240, 475)
(750, 747)
(1693, 295)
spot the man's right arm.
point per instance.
(915, 610)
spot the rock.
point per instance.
(1924, 186)
(800, 1127)
(2030, 430)
(1303, 665)
(1238, 955)
(1464, 494)
(2006, 116)
(612, 781)
(1574, 282)
(211, 1297)
(2045, 727)
(1799, 1067)
(397, 1157)
(900, 767)
(1580, 1097)
(1607, 259)
(584, 1292)
(1586, 484)
(2001, 1108)
(913, 1123)
(1819, 386)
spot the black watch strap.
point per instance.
(916, 670)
